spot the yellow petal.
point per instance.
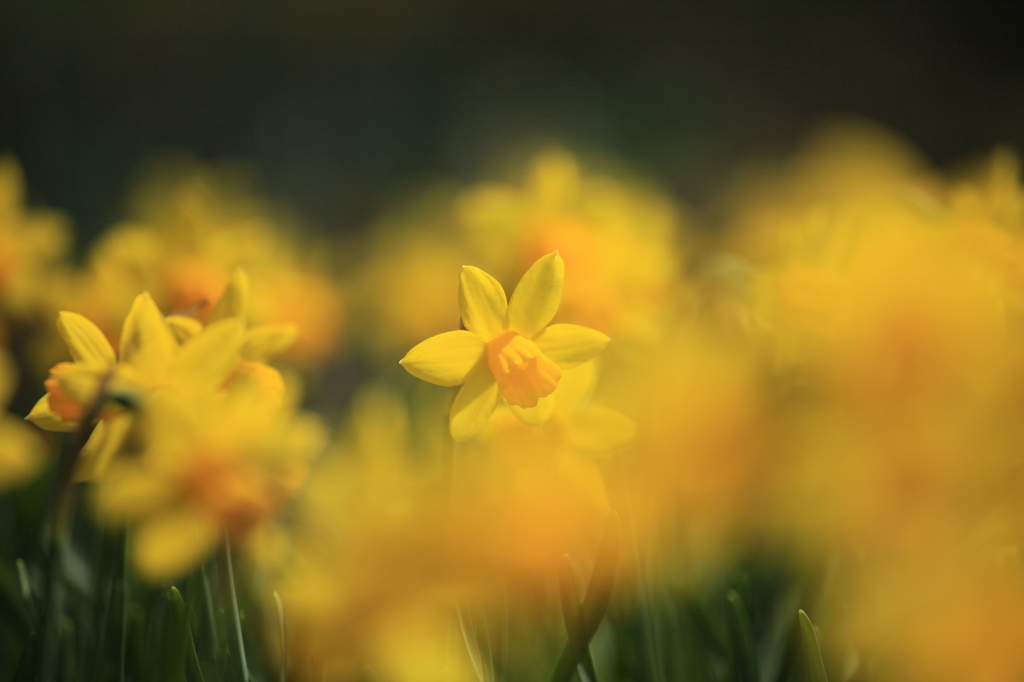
(482, 303)
(103, 445)
(234, 302)
(473, 405)
(168, 545)
(536, 298)
(83, 383)
(183, 327)
(576, 386)
(22, 454)
(146, 340)
(48, 420)
(174, 422)
(535, 416)
(266, 342)
(84, 339)
(127, 491)
(446, 359)
(599, 428)
(207, 359)
(568, 345)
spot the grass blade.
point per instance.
(572, 614)
(472, 646)
(237, 615)
(599, 594)
(279, 605)
(742, 638)
(813, 664)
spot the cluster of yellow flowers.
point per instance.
(191, 441)
(189, 228)
(33, 245)
(834, 368)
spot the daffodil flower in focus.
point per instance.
(150, 359)
(508, 350)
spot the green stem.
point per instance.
(234, 606)
(124, 607)
(208, 597)
(284, 641)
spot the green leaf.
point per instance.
(707, 636)
(599, 594)
(28, 664)
(178, 636)
(242, 658)
(813, 664)
(14, 600)
(742, 637)
(704, 645)
(282, 633)
(572, 614)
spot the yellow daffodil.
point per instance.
(150, 358)
(155, 352)
(33, 244)
(22, 451)
(509, 350)
(379, 563)
(620, 237)
(211, 464)
(577, 421)
(376, 567)
(625, 244)
(259, 344)
(190, 229)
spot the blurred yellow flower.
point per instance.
(945, 616)
(378, 563)
(211, 464)
(621, 239)
(33, 246)
(388, 549)
(883, 348)
(22, 452)
(192, 228)
(508, 351)
(401, 310)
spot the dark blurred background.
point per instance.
(341, 104)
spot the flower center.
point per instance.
(240, 497)
(60, 402)
(522, 371)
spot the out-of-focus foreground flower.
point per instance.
(212, 465)
(191, 441)
(390, 547)
(883, 310)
